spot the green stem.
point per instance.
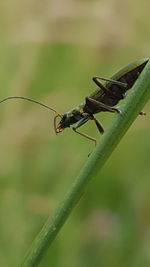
(134, 103)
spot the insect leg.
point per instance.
(142, 113)
(90, 101)
(99, 125)
(79, 124)
(96, 80)
(100, 85)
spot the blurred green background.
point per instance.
(50, 50)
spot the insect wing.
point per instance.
(127, 75)
(130, 73)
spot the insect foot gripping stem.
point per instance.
(142, 113)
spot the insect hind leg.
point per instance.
(142, 113)
(96, 80)
(106, 88)
(100, 85)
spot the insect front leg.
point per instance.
(79, 124)
(99, 105)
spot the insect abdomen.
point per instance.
(117, 91)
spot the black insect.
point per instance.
(103, 99)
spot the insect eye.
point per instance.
(64, 117)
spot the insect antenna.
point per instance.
(31, 100)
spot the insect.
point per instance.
(107, 95)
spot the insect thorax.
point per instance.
(72, 116)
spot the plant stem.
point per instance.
(134, 103)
